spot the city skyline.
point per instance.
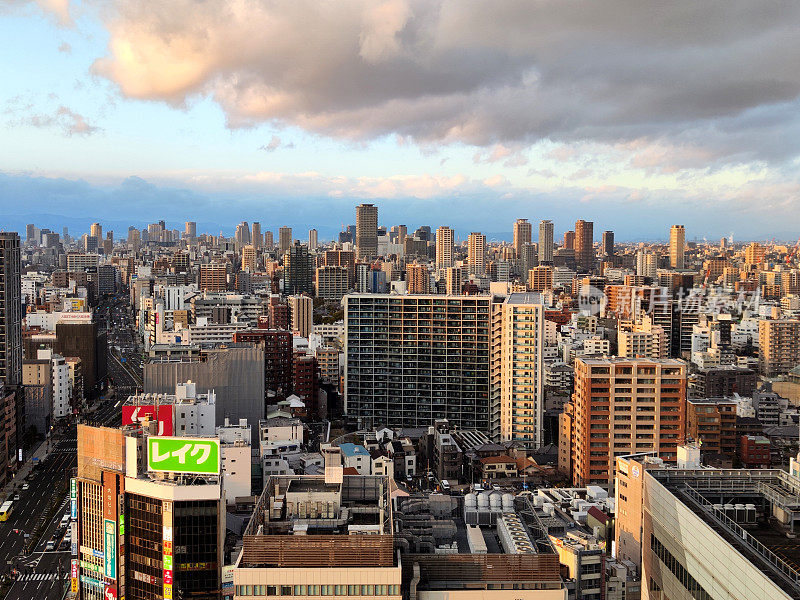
(515, 130)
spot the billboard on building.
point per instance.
(110, 549)
(99, 448)
(137, 414)
(183, 455)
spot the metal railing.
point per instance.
(783, 568)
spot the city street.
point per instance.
(43, 573)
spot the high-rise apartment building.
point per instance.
(476, 253)
(96, 230)
(412, 360)
(313, 240)
(444, 247)
(584, 245)
(418, 279)
(242, 235)
(712, 423)
(269, 241)
(569, 240)
(522, 235)
(621, 406)
(301, 313)
(540, 278)
(341, 258)
(754, 254)
(256, 239)
(212, 277)
(646, 264)
(284, 239)
(517, 382)
(779, 346)
(452, 281)
(298, 270)
(249, 259)
(367, 231)
(677, 243)
(545, 242)
(190, 230)
(331, 282)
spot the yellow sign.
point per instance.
(167, 592)
(74, 586)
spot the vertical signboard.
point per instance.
(167, 547)
(110, 549)
(73, 498)
(74, 576)
(74, 538)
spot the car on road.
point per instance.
(25, 486)
(50, 546)
(16, 496)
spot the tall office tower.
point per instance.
(30, 233)
(545, 242)
(313, 241)
(256, 239)
(96, 230)
(522, 235)
(12, 400)
(476, 253)
(249, 259)
(367, 231)
(150, 524)
(301, 313)
(677, 240)
(754, 254)
(608, 244)
(646, 264)
(212, 277)
(402, 232)
(622, 406)
(452, 281)
(284, 239)
(528, 259)
(442, 373)
(569, 240)
(418, 279)
(242, 235)
(584, 247)
(517, 359)
(190, 230)
(269, 241)
(298, 270)
(134, 238)
(779, 346)
(444, 247)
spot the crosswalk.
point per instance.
(37, 577)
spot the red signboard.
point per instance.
(74, 568)
(135, 414)
(111, 593)
(168, 577)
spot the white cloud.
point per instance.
(689, 74)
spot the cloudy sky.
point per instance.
(467, 113)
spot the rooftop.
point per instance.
(738, 504)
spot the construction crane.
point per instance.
(791, 254)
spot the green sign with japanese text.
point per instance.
(183, 455)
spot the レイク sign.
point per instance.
(183, 455)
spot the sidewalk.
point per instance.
(41, 453)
